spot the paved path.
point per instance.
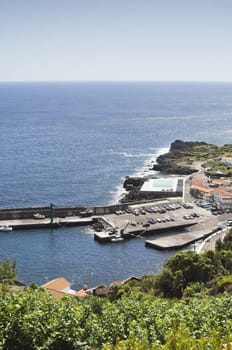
(210, 242)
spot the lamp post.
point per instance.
(51, 212)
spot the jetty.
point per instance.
(178, 240)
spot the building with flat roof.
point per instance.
(162, 187)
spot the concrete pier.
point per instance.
(176, 240)
(28, 224)
(173, 234)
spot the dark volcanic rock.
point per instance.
(185, 146)
(167, 163)
(133, 183)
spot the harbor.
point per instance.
(171, 223)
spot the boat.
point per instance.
(6, 228)
(38, 216)
(116, 239)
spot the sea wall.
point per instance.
(61, 212)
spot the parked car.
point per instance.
(151, 221)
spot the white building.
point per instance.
(227, 160)
(223, 199)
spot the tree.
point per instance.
(7, 271)
(226, 243)
(184, 268)
(164, 283)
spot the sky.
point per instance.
(115, 40)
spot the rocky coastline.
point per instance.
(168, 163)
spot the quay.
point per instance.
(54, 216)
(104, 236)
(200, 231)
(173, 228)
(177, 240)
(28, 224)
(183, 229)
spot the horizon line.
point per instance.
(119, 81)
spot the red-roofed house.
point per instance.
(202, 191)
(59, 287)
(222, 198)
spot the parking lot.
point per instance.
(211, 206)
(155, 215)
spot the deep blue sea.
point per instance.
(73, 144)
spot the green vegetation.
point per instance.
(33, 319)
(217, 166)
(182, 155)
(187, 306)
(186, 274)
(208, 153)
(184, 269)
(7, 272)
(211, 151)
(212, 156)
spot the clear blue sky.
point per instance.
(155, 40)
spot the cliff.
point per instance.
(179, 158)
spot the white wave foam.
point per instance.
(118, 193)
(130, 155)
(144, 171)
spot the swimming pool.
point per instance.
(163, 184)
(160, 185)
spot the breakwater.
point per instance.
(61, 212)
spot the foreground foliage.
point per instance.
(187, 272)
(33, 319)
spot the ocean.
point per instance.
(74, 144)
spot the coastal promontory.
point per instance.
(182, 156)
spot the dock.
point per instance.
(175, 227)
(28, 224)
(105, 236)
(177, 240)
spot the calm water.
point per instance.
(73, 143)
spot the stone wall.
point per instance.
(27, 213)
